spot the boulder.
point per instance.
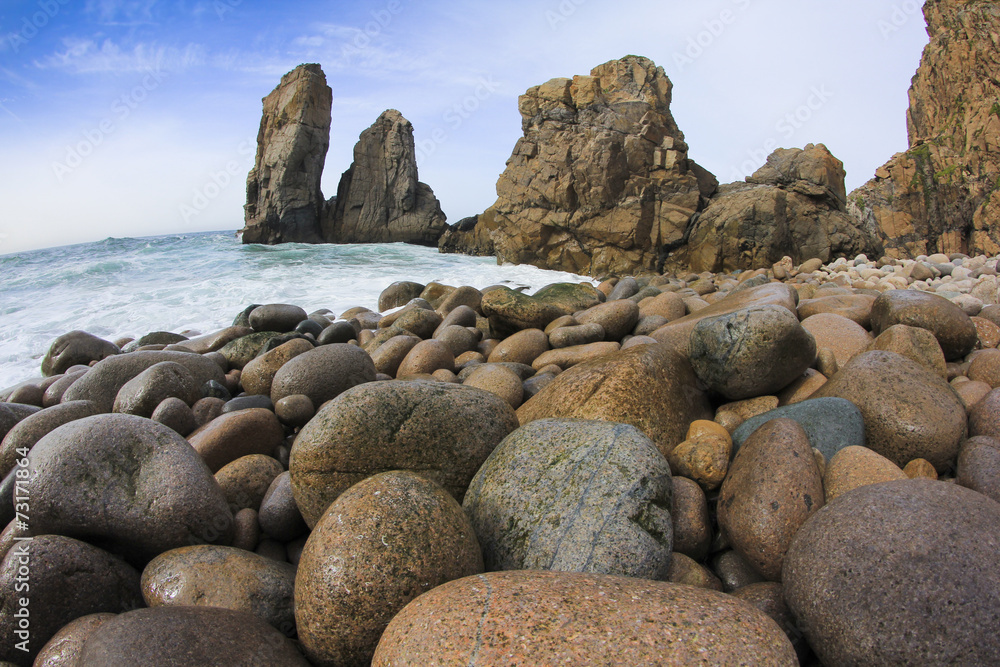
(909, 412)
(323, 373)
(168, 379)
(576, 496)
(188, 636)
(898, 573)
(237, 434)
(600, 182)
(284, 200)
(792, 206)
(651, 387)
(67, 579)
(831, 423)
(126, 483)
(444, 431)
(379, 199)
(550, 618)
(510, 311)
(953, 329)
(382, 543)
(34, 427)
(75, 348)
(205, 575)
(63, 650)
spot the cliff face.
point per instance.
(941, 194)
(379, 199)
(284, 201)
(794, 205)
(599, 183)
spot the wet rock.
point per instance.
(235, 434)
(871, 580)
(280, 317)
(445, 431)
(127, 483)
(398, 294)
(733, 570)
(73, 348)
(68, 579)
(177, 415)
(213, 576)
(577, 496)
(188, 636)
(382, 543)
(772, 488)
(295, 410)
(570, 616)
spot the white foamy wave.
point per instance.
(199, 282)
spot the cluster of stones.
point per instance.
(793, 464)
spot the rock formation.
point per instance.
(941, 194)
(794, 205)
(284, 201)
(379, 199)
(600, 182)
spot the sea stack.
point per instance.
(940, 196)
(379, 199)
(284, 201)
(600, 182)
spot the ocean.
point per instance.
(200, 282)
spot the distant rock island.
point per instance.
(379, 199)
(601, 183)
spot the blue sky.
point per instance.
(139, 117)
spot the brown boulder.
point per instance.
(953, 329)
(382, 543)
(235, 434)
(914, 343)
(978, 466)
(323, 373)
(246, 480)
(75, 348)
(549, 618)
(63, 650)
(258, 374)
(856, 466)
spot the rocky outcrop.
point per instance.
(941, 195)
(284, 201)
(379, 199)
(794, 205)
(600, 182)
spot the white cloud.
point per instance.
(87, 56)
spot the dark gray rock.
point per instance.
(280, 317)
(279, 516)
(168, 379)
(76, 347)
(899, 573)
(831, 423)
(577, 496)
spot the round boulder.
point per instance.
(235, 434)
(63, 650)
(953, 329)
(76, 348)
(576, 496)
(259, 373)
(323, 373)
(128, 483)
(34, 427)
(246, 480)
(185, 636)
(445, 431)
(213, 576)
(909, 412)
(168, 379)
(280, 317)
(899, 573)
(751, 352)
(382, 543)
(569, 618)
(279, 516)
(66, 579)
(831, 423)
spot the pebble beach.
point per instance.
(792, 465)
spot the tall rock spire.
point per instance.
(284, 201)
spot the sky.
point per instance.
(139, 117)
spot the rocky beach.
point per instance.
(766, 433)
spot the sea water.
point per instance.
(200, 282)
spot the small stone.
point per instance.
(389, 355)
(426, 357)
(703, 459)
(920, 468)
(853, 467)
(258, 374)
(580, 334)
(685, 570)
(246, 480)
(734, 571)
(617, 318)
(691, 519)
(279, 516)
(497, 379)
(177, 415)
(988, 332)
(523, 347)
(985, 367)
(323, 373)
(246, 530)
(295, 410)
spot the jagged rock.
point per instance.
(379, 199)
(600, 182)
(794, 205)
(284, 201)
(941, 194)
(469, 236)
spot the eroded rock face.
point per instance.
(379, 199)
(284, 201)
(794, 205)
(941, 194)
(600, 182)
